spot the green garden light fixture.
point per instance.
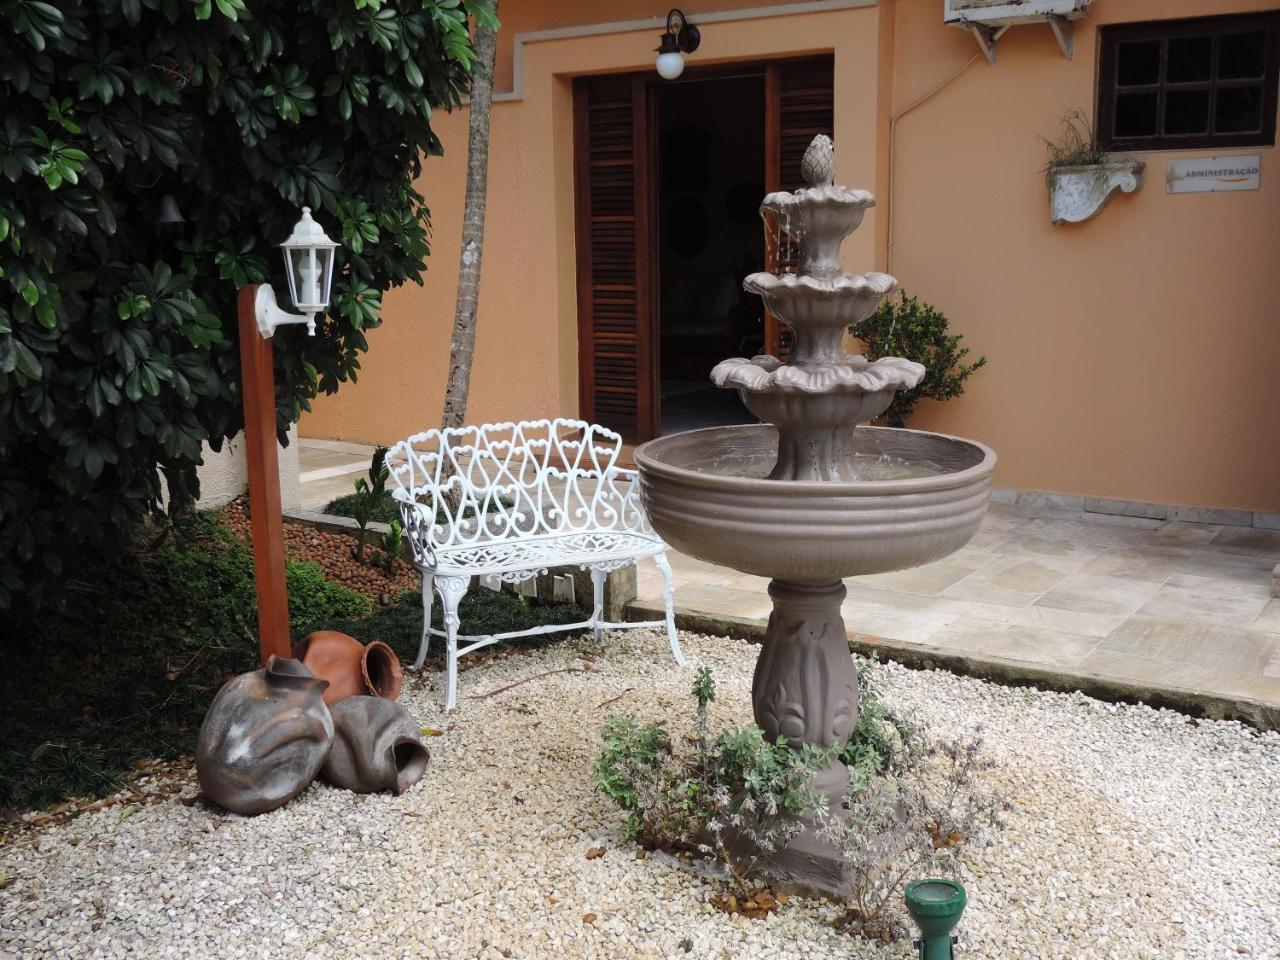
(935, 906)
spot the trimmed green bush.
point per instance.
(118, 350)
(907, 327)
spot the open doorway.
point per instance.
(711, 178)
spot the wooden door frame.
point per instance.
(644, 133)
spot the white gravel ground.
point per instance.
(1135, 833)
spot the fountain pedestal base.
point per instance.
(806, 689)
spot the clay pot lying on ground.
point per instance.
(265, 737)
(351, 668)
(376, 746)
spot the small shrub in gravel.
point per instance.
(913, 802)
(913, 821)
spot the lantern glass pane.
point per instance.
(289, 274)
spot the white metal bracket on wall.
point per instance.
(987, 34)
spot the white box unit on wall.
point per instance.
(987, 20)
(1002, 13)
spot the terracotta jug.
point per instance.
(376, 746)
(351, 668)
(264, 738)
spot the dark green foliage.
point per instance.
(906, 327)
(631, 752)
(369, 492)
(382, 510)
(880, 737)
(117, 338)
(127, 668)
(673, 800)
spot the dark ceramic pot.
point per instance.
(376, 746)
(351, 668)
(265, 737)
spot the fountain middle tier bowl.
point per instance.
(923, 497)
(818, 309)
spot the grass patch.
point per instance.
(126, 671)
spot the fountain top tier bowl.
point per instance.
(920, 497)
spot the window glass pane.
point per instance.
(1239, 110)
(1135, 115)
(1190, 59)
(1241, 55)
(1186, 111)
(1137, 63)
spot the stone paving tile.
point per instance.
(1048, 618)
(1269, 619)
(1145, 563)
(1125, 666)
(1092, 593)
(1072, 553)
(714, 599)
(1010, 641)
(1180, 533)
(930, 579)
(1248, 540)
(1015, 582)
(1240, 568)
(1272, 669)
(901, 616)
(1083, 532)
(1208, 600)
(1220, 649)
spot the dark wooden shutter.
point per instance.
(799, 105)
(613, 176)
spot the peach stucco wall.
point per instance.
(1133, 356)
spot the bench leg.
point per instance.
(452, 590)
(428, 596)
(598, 576)
(668, 601)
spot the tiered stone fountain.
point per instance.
(809, 497)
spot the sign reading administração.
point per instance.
(1208, 174)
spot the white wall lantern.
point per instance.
(308, 263)
(680, 38)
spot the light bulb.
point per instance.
(670, 65)
(310, 287)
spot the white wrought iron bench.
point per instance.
(512, 500)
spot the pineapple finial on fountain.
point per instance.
(819, 396)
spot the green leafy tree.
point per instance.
(117, 331)
(907, 327)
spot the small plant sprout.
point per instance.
(704, 691)
(1076, 145)
(368, 494)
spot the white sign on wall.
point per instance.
(1209, 174)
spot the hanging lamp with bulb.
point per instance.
(681, 37)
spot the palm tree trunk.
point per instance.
(462, 348)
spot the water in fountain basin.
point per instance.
(756, 465)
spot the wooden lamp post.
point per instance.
(308, 257)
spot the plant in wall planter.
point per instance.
(1081, 175)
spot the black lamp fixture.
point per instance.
(681, 37)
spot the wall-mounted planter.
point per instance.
(1077, 193)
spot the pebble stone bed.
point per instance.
(1135, 833)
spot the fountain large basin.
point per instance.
(922, 497)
